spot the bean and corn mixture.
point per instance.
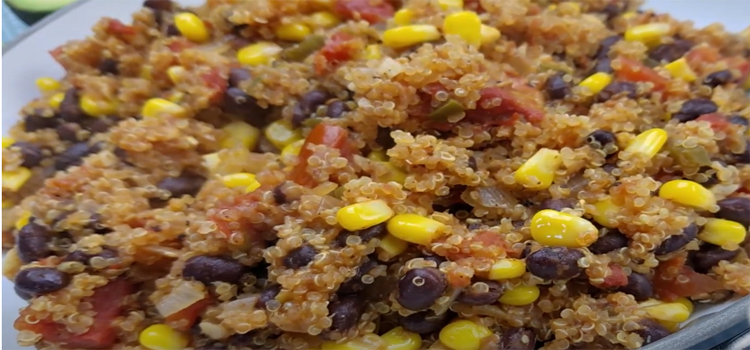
(377, 174)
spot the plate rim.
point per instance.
(699, 335)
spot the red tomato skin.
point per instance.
(634, 71)
(372, 11)
(323, 134)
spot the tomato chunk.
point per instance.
(339, 48)
(372, 11)
(668, 286)
(117, 28)
(187, 316)
(216, 83)
(718, 121)
(702, 54)
(616, 278)
(106, 301)
(518, 100)
(323, 134)
(634, 71)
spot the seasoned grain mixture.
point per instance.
(380, 174)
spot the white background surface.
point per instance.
(29, 60)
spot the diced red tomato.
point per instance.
(457, 280)
(634, 71)
(702, 54)
(667, 284)
(340, 47)
(473, 5)
(323, 134)
(179, 44)
(117, 28)
(718, 121)
(106, 301)
(215, 82)
(739, 64)
(616, 278)
(372, 11)
(247, 201)
(184, 319)
(518, 100)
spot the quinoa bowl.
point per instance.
(164, 172)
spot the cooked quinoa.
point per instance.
(380, 174)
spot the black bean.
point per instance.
(609, 167)
(670, 52)
(437, 259)
(109, 66)
(336, 109)
(603, 140)
(300, 257)
(22, 294)
(472, 163)
(67, 132)
(744, 157)
(31, 153)
(678, 241)
(557, 204)
(517, 339)
(709, 256)
(41, 280)
(554, 263)
(618, 88)
(384, 138)
(419, 288)
(238, 75)
(557, 88)
(278, 195)
(355, 284)
(424, 322)
(163, 5)
(345, 312)
(173, 31)
(32, 242)
(96, 225)
(73, 156)
(718, 78)
(299, 115)
(97, 125)
(607, 44)
(651, 331)
(612, 240)
(639, 286)
(735, 209)
(37, 121)
(739, 120)
(612, 10)
(268, 294)
(603, 65)
(185, 184)
(237, 101)
(84, 258)
(313, 99)
(211, 268)
(695, 108)
(473, 297)
(70, 107)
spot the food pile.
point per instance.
(380, 174)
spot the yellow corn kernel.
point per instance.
(605, 213)
(8, 203)
(56, 99)
(323, 19)
(8, 141)
(451, 4)
(175, 96)
(557, 229)
(378, 156)
(521, 295)
(403, 17)
(95, 108)
(246, 180)
(373, 52)
(281, 134)
(392, 246)
(23, 219)
(415, 228)
(507, 269)
(570, 8)
(239, 134)
(649, 34)
(463, 335)
(364, 214)
(648, 143)
(670, 326)
(191, 27)
(596, 82)
(688, 193)
(211, 161)
(395, 174)
(538, 171)
(465, 24)
(680, 69)
(551, 7)
(175, 73)
(293, 32)
(685, 301)
(258, 53)
(162, 337)
(746, 84)
(13, 180)
(47, 84)
(401, 339)
(157, 107)
(293, 149)
(722, 232)
(367, 342)
(629, 15)
(489, 34)
(671, 312)
(406, 36)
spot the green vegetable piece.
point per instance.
(447, 110)
(299, 52)
(690, 157)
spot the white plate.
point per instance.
(27, 59)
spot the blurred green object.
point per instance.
(31, 11)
